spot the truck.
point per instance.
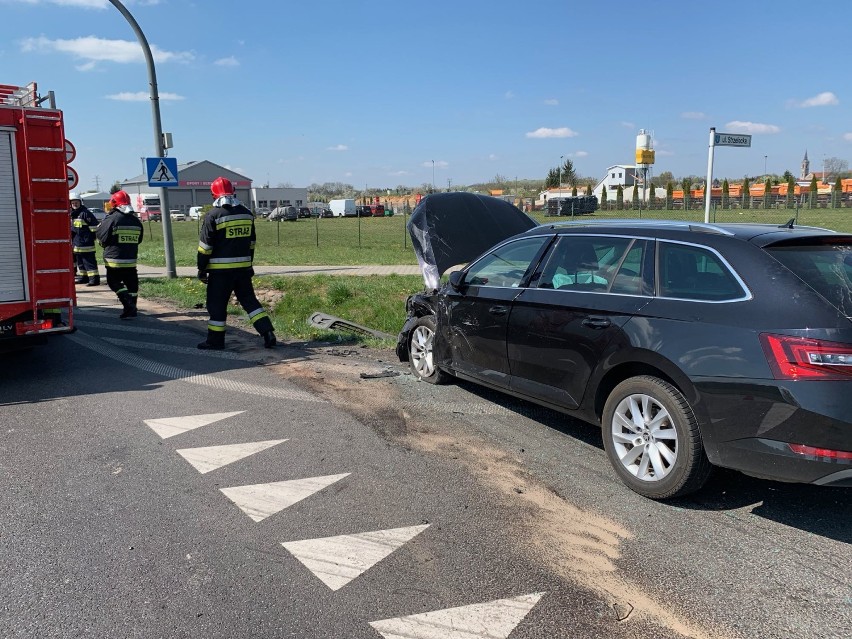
(37, 294)
(146, 206)
(343, 208)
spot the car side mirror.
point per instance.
(457, 280)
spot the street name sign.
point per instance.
(732, 139)
(162, 172)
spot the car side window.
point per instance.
(506, 265)
(695, 273)
(584, 263)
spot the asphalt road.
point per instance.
(150, 490)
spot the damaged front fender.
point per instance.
(416, 306)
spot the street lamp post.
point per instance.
(559, 174)
(165, 216)
(433, 176)
(764, 165)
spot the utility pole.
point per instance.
(159, 147)
(98, 183)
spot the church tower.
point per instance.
(806, 167)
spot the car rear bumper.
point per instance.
(775, 460)
(750, 425)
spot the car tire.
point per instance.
(670, 460)
(421, 345)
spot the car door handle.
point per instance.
(498, 310)
(596, 323)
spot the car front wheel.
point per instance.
(421, 346)
(652, 439)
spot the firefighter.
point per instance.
(83, 225)
(120, 234)
(225, 254)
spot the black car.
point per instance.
(285, 213)
(364, 211)
(304, 211)
(693, 345)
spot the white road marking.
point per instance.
(173, 372)
(259, 501)
(492, 620)
(209, 458)
(167, 427)
(134, 328)
(338, 560)
(186, 350)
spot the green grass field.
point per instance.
(384, 240)
(374, 301)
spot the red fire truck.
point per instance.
(36, 276)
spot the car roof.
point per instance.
(761, 234)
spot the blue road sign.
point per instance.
(162, 171)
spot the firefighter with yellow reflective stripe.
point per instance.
(225, 254)
(120, 234)
(83, 225)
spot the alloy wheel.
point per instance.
(644, 437)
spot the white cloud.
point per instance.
(826, 98)
(94, 49)
(628, 125)
(87, 4)
(847, 137)
(347, 174)
(664, 152)
(439, 164)
(581, 154)
(399, 173)
(738, 126)
(544, 132)
(339, 147)
(230, 61)
(509, 95)
(693, 115)
(492, 156)
(141, 96)
(551, 102)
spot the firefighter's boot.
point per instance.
(94, 281)
(81, 279)
(269, 340)
(215, 341)
(129, 307)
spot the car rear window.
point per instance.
(692, 272)
(824, 265)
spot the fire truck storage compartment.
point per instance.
(13, 283)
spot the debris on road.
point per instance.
(331, 323)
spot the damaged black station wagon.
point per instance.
(693, 345)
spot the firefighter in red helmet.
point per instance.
(225, 255)
(120, 234)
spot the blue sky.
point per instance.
(371, 93)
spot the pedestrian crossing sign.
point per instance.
(162, 172)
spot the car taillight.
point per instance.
(828, 453)
(801, 358)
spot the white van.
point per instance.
(195, 212)
(343, 208)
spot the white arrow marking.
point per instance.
(338, 560)
(492, 620)
(171, 426)
(259, 501)
(210, 458)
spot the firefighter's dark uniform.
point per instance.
(120, 235)
(225, 254)
(83, 225)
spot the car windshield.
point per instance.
(825, 266)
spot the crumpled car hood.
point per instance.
(453, 228)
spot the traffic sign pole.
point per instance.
(709, 188)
